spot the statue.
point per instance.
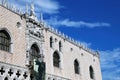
(32, 12)
(40, 73)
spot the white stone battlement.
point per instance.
(11, 7)
(66, 37)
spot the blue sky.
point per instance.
(95, 23)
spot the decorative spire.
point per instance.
(41, 17)
(0, 1)
(26, 8)
(32, 12)
(5, 2)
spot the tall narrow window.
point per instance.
(4, 41)
(91, 72)
(34, 52)
(56, 59)
(51, 42)
(76, 67)
(60, 46)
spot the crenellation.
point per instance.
(63, 35)
(60, 33)
(70, 38)
(48, 27)
(77, 43)
(66, 36)
(52, 29)
(56, 31)
(11, 7)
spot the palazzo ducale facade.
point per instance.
(32, 50)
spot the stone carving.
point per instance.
(15, 72)
(36, 31)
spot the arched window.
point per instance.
(56, 59)
(51, 42)
(91, 72)
(34, 52)
(6, 78)
(76, 67)
(4, 41)
(60, 46)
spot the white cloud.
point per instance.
(51, 7)
(48, 6)
(69, 23)
(110, 64)
(44, 6)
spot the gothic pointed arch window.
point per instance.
(60, 46)
(76, 66)
(91, 72)
(56, 59)
(51, 42)
(14, 79)
(5, 41)
(34, 52)
(6, 78)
